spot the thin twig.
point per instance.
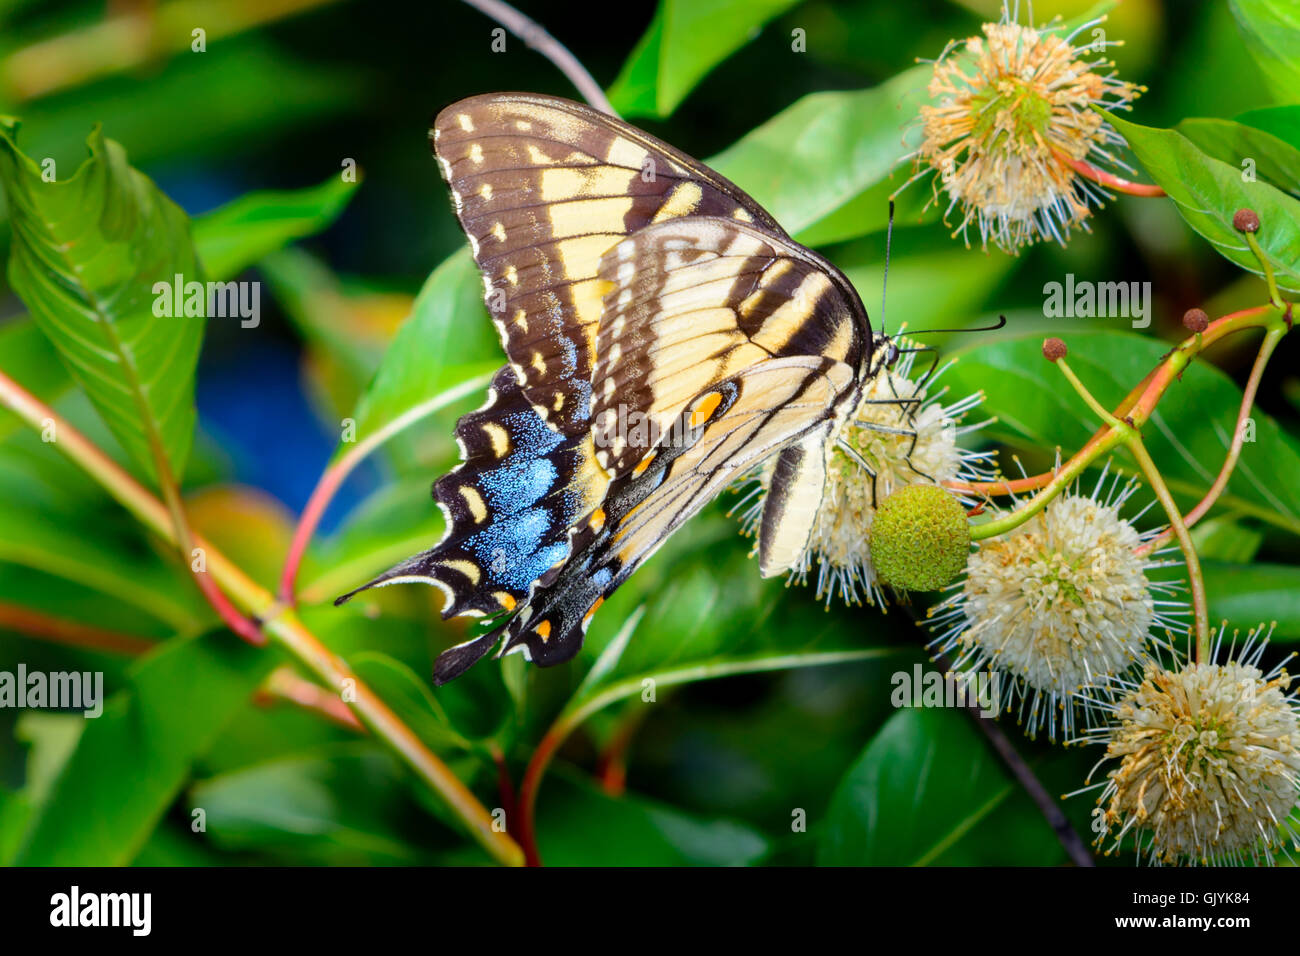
(1070, 841)
(1234, 450)
(536, 37)
(72, 633)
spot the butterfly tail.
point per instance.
(455, 661)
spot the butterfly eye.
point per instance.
(893, 355)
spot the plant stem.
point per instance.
(332, 477)
(73, 633)
(537, 38)
(1234, 450)
(1269, 279)
(277, 621)
(1132, 412)
(1195, 579)
(1109, 180)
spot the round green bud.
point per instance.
(920, 538)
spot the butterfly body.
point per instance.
(663, 335)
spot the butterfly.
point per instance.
(664, 336)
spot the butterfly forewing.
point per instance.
(543, 188)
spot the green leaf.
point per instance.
(27, 357)
(1247, 148)
(635, 831)
(1271, 29)
(923, 784)
(47, 543)
(1188, 434)
(178, 700)
(1226, 539)
(336, 805)
(410, 698)
(1281, 121)
(448, 320)
(87, 252)
(1208, 191)
(1245, 595)
(708, 615)
(810, 161)
(686, 39)
(236, 235)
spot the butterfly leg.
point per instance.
(861, 462)
(886, 429)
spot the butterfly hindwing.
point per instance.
(694, 301)
(755, 413)
(509, 506)
(543, 188)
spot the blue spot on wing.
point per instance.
(527, 536)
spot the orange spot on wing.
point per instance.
(543, 630)
(644, 463)
(705, 409)
(592, 610)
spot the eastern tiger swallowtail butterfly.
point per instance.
(664, 335)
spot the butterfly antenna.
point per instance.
(1001, 323)
(884, 279)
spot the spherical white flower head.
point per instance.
(1014, 109)
(902, 436)
(1209, 764)
(1058, 604)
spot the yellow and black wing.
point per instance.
(783, 403)
(664, 336)
(543, 188)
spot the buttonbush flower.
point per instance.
(1057, 604)
(905, 435)
(1012, 115)
(1205, 760)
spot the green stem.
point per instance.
(1194, 576)
(1273, 295)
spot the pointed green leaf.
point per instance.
(236, 235)
(686, 39)
(819, 155)
(87, 253)
(1207, 192)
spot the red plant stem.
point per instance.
(505, 786)
(611, 766)
(1138, 404)
(1234, 450)
(330, 481)
(73, 633)
(1109, 180)
(283, 684)
(528, 787)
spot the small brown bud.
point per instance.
(1196, 320)
(1245, 220)
(1054, 349)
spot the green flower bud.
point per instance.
(920, 538)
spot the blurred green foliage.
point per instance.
(770, 737)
